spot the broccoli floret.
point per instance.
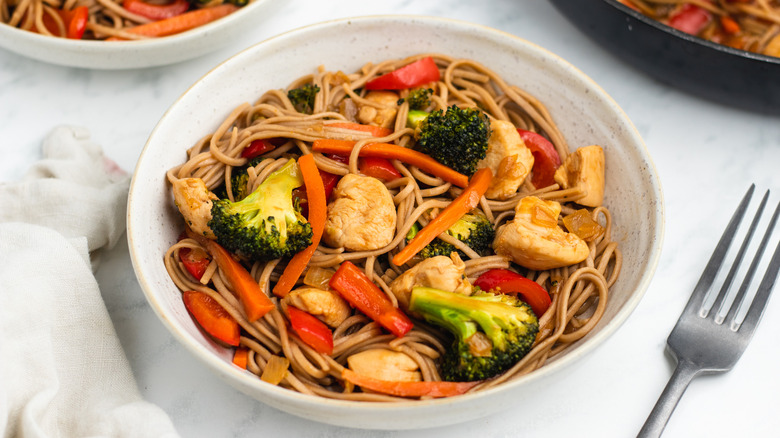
(457, 138)
(474, 229)
(266, 224)
(302, 97)
(419, 98)
(492, 332)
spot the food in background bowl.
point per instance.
(442, 195)
(750, 25)
(583, 111)
(133, 53)
(112, 20)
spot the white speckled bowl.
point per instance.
(116, 55)
(583, 111)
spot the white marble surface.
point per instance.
(706, 155)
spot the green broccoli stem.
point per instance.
(415, 117)
(459, 313)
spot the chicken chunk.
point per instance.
(362, 215)
(194, 202)
(384, 113)
(509, 159)
(585, 169)
(392, 366)
(534, 240)
(440, 272)
(326, 305)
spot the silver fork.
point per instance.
(702, 341)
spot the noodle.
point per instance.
(752, 25)
(579, 293)
(106, 18)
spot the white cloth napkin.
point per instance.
(63, 372)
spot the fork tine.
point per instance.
(716, 260)
(718, 303)
(764, 290)
(740, 297)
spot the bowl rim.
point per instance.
(235, 376)
(747, 55)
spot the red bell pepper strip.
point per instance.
(412, 75)
(512, 283)
(355, 287)
(546, 158)
(343, 159)
(261, 146)
(690, 19)
(408, 389)
(256, 148)
(156, 11)
(311, 330)
(317, 214)
(75, 21)
(195, 261)
(379, 168)
(212, 317)
(329, 182)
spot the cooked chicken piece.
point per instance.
(509, 159)
(585, 169)
(326, 305)
(440, 272)
(362, 215)
(534, 239)
(384, 115)
(392, 366)
(194, 202)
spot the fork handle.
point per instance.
(662, 411)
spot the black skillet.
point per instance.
(732, 77)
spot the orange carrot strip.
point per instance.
(630, 4)
(408, 389)
(212, 317)
(392, 151)
(376, 131)
(318, 212)
(180, 23)
(256, 303)
(729, 25)
(241, 357)
(461, 205)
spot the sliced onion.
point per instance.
(275, 370)
(318, 277)
(582, 224)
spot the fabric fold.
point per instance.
(63, 372)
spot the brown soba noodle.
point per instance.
(752, 25)
(579, 293)
(106, 18)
